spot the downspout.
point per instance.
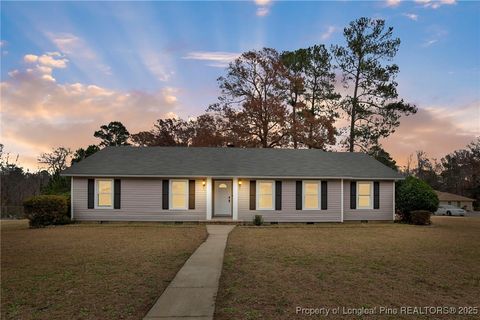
(71, 198)
(341, 200)
(393, 204)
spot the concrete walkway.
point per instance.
(191, 295)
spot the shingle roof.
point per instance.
(229, 162)
(445, 196)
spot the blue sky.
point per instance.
(168, 55)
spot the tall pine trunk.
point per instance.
(312, 111)
(294, 119)
(354, 108)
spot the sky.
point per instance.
(69, 67)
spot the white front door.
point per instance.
(222, 198)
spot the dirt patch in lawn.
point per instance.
(90, 271)
(270, 271)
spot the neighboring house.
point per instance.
(201, 184)
(455, 200)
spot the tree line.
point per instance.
(457, 172)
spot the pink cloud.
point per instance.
(263, 7)
(38, 113)
(435, 130)
(392, 3)
(435, 4)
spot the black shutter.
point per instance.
(116, 193)
(324, 195)
(91, 193)
(165, 187)
(253, 194)
(278, 195)
(376, 195)
(191, 194)
(353, 195)
(298, 196)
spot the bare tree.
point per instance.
(5, 159)
(165, 132)
(56, 160)
(252, 100)
(17, 184)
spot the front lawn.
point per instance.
(269, 271)
(90, 271)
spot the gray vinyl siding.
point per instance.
(288, 212)
(385, 212)
(141, 200)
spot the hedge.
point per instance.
(420, 217)
(47, 210)
(414, 194)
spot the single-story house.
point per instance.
(455, 200)
(202, 184)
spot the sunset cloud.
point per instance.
(393, 3)
(154, 61)
(263, 7)
(79, 52)
(435, 4)
(50, 59)
(218, 59)
(263, 2)
(38, 112)
(435, 130)
(30, 58)
(71, 44)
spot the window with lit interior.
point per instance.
(265, 193)
(179, 194)
(364, 195)
(311, 195)
(104, 193)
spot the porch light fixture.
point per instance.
(203, 182)
(239, 182)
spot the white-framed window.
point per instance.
(311, 195)
(178, 194)
(265, 195)
(104, 193)
(364, 195)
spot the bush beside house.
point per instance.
(258, 220)
(47, 210)
(413, 194)
(421, 217)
